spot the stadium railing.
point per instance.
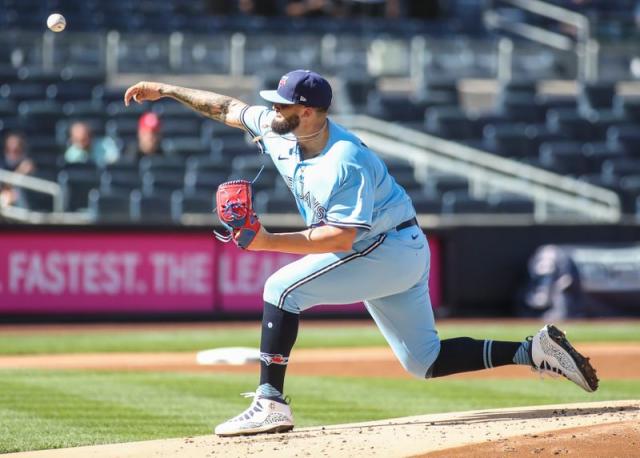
(554, 195)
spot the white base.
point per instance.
(235, 356)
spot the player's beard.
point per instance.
(287, 125)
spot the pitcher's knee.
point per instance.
(276, 292)
(418, 363)
(414, 367)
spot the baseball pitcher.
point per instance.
(362, 243)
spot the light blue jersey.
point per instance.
(388, 266)
(345, 185)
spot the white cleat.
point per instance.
(551, 352)
(263, 416)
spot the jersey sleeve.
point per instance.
(351, 202)
(256, 119)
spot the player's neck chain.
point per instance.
(315, 134)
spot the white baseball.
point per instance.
(56, 22)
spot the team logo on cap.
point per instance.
(283, 81)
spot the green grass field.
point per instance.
(51, 409)
(310, 336)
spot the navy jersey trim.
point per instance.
(324, 270)
(257, 138)
(246, 126)
(348, 224)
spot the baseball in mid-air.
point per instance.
(56, 22)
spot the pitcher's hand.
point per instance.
(142, 92)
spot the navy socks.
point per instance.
(464, 354)
(279, 333)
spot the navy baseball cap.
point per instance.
(301, 86)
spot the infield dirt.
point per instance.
(602, 429)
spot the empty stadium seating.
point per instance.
(592, 135)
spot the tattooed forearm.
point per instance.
(216, 106)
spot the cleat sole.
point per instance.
(583, 364)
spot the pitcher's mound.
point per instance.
(607, 428)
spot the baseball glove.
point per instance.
(234, 205)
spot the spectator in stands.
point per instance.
(149, 138)
(15, 160)
(83, 147)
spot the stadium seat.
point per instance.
(9, 125)
(120, 180)
(39, 117)
(457, 202)
(407, 180)
(266, 181)
(252, 164)
(520, 107)
(195, 164)
(595, 153)
(180, 126)
(109, 207)
(204, 51)
(151, 209)
(231, 146)
(617, 168)
(481, 120)
(630, 191)
(266, 202)
(357, 90)
(42, 144)
(76, 184)
(398, 166)
(546, 102)
(185, 146)
(162, 182)
(79, 109)
(627, 108)
(426, 204)
(448, 122)
(563, 157)
(65, 91)
(438, 183)
(123, 128)
(93, 75)
(511, 140)
(37, 201)
(46, 159)
(510, 204)
(201, 182)
(162, 163)
(570, 123)
(595, 96)
(37, 74)
(20, 91)
(625, 138)
(7, 108)
(445, 89)
(192, 203)
(517, 88)
(394, 107)
(8, 73)
(122, 165)
(602, 120)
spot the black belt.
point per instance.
(408, 223)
